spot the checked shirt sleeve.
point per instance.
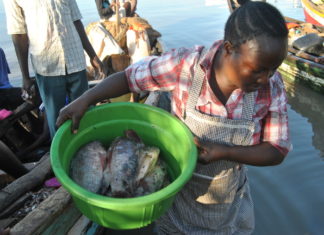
(156, 72)
(275, 126)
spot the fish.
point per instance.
(154, 180)
(148, 157)
(123, 155)
(107, 176)
(88, 165)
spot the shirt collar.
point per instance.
(206, 95)
(207, 61)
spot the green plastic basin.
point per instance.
(156, 127)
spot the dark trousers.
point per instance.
(54, 90)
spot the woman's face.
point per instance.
(254, 62)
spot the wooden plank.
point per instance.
(29, 166)
(15, 206)
(25, 183)
(80, 227)
(4, 223)
(64, 222)
(148, 230)
(44, 215)
(5, 179)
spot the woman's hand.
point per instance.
(210, 152)
(73, 111)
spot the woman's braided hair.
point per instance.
(253, 19)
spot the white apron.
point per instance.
(217, 198)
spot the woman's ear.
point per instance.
(228, 46)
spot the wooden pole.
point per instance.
(117, 17)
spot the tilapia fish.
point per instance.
(153, 181)
(121, 171)
(148, 157)
(88, 165)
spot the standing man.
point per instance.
(52, 32)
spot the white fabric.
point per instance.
(102, 42)
(138, 45)
(122, 13)
(54, 40)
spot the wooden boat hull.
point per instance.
(314, 14)
(302, 67)
(304, 71)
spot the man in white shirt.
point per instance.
(52, 32)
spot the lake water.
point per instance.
(289, 198)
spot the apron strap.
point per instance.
(196, 83)
(248, 105)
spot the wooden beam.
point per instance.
(55, 215)
(15, 206)
(25, 183)
(80, 227)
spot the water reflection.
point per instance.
(310, 105)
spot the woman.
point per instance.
(233, 101)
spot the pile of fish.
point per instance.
(127, 169)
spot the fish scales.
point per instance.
(88, 165)
(123, 166)
(153, 181)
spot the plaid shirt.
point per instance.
(54, 43)
(163, 73)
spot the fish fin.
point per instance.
(132, 135)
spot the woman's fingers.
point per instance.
(197, 142)
(75, 124)
(61, 119)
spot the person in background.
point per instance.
(10, 97)
(11, 160)
(53, 34)
(10, 100)
(106, 9)
(232, 99)
(10, 163)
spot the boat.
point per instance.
(305, 66)
(30, 205)
(314, 11)
(305, 59)
(121, 43)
